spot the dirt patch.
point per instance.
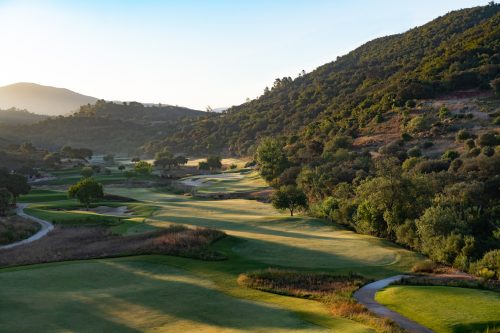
(75, 243)
(15, 228)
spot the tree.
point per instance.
(86, 191)
(5, 198)
(143, 168)
(181, 160)
(289, 197)
(164, 159)
(17, 184)
(271, 158)
(214, 162)
(121, 167)
(87, 172)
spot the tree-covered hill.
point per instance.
(103, 127)
(19, 117)
(454, 52)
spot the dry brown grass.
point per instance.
(333, 290)
(15, 228)
(74, 243)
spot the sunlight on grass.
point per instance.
(445, 309)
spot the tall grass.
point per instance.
(333, 290)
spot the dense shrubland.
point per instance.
(454, 52)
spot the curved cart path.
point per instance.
(44, 230)
(366, 296)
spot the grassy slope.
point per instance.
(445, 309)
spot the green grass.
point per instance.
(131, 295)
(445, 309)
(232, 181)
(179, 294)
(274, 238)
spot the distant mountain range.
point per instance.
(41, 99)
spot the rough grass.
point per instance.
(15, 228)
(445, 309)
(73, 243)
(333, 290)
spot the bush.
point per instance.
(250, 164)
(406, 136)
(488, 151)
(462, 135)
(410, 163)
(450, 155)
(424, 267)
(469, 144)
(417, 125)
(427, 144)
(430, 166)
(496, 121)
(474, 152)
(443, 112)
(233, 166)
(456, 164)
(487, 139)
(489, 266)
(414, 152)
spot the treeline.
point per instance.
(447, 208)
(457, 51)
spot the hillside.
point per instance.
(102, 127)
(398, 139)
(41, 99)
(454, 52)
(19, 117)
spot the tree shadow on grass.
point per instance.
(131, 296)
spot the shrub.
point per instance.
(426, 266)
(489, 266)
(406, 136)
(250, 164)
(496, 121)
(488, 151)
(443, 112)
(417, 124)
(410, 163)
(469, 144)
(450, 155)
(427, 144)
(487, 139)
(410, 103)
(414, 152)
(474, 152)
(456, 164)
(203, 165)
(430, 166)
(233, 166)
(462, 135)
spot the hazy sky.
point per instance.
(186, 52)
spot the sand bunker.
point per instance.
(116, 211)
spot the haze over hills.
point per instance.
(41, 99)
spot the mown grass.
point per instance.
(232, 181)
(445, 309)
(130, 295)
